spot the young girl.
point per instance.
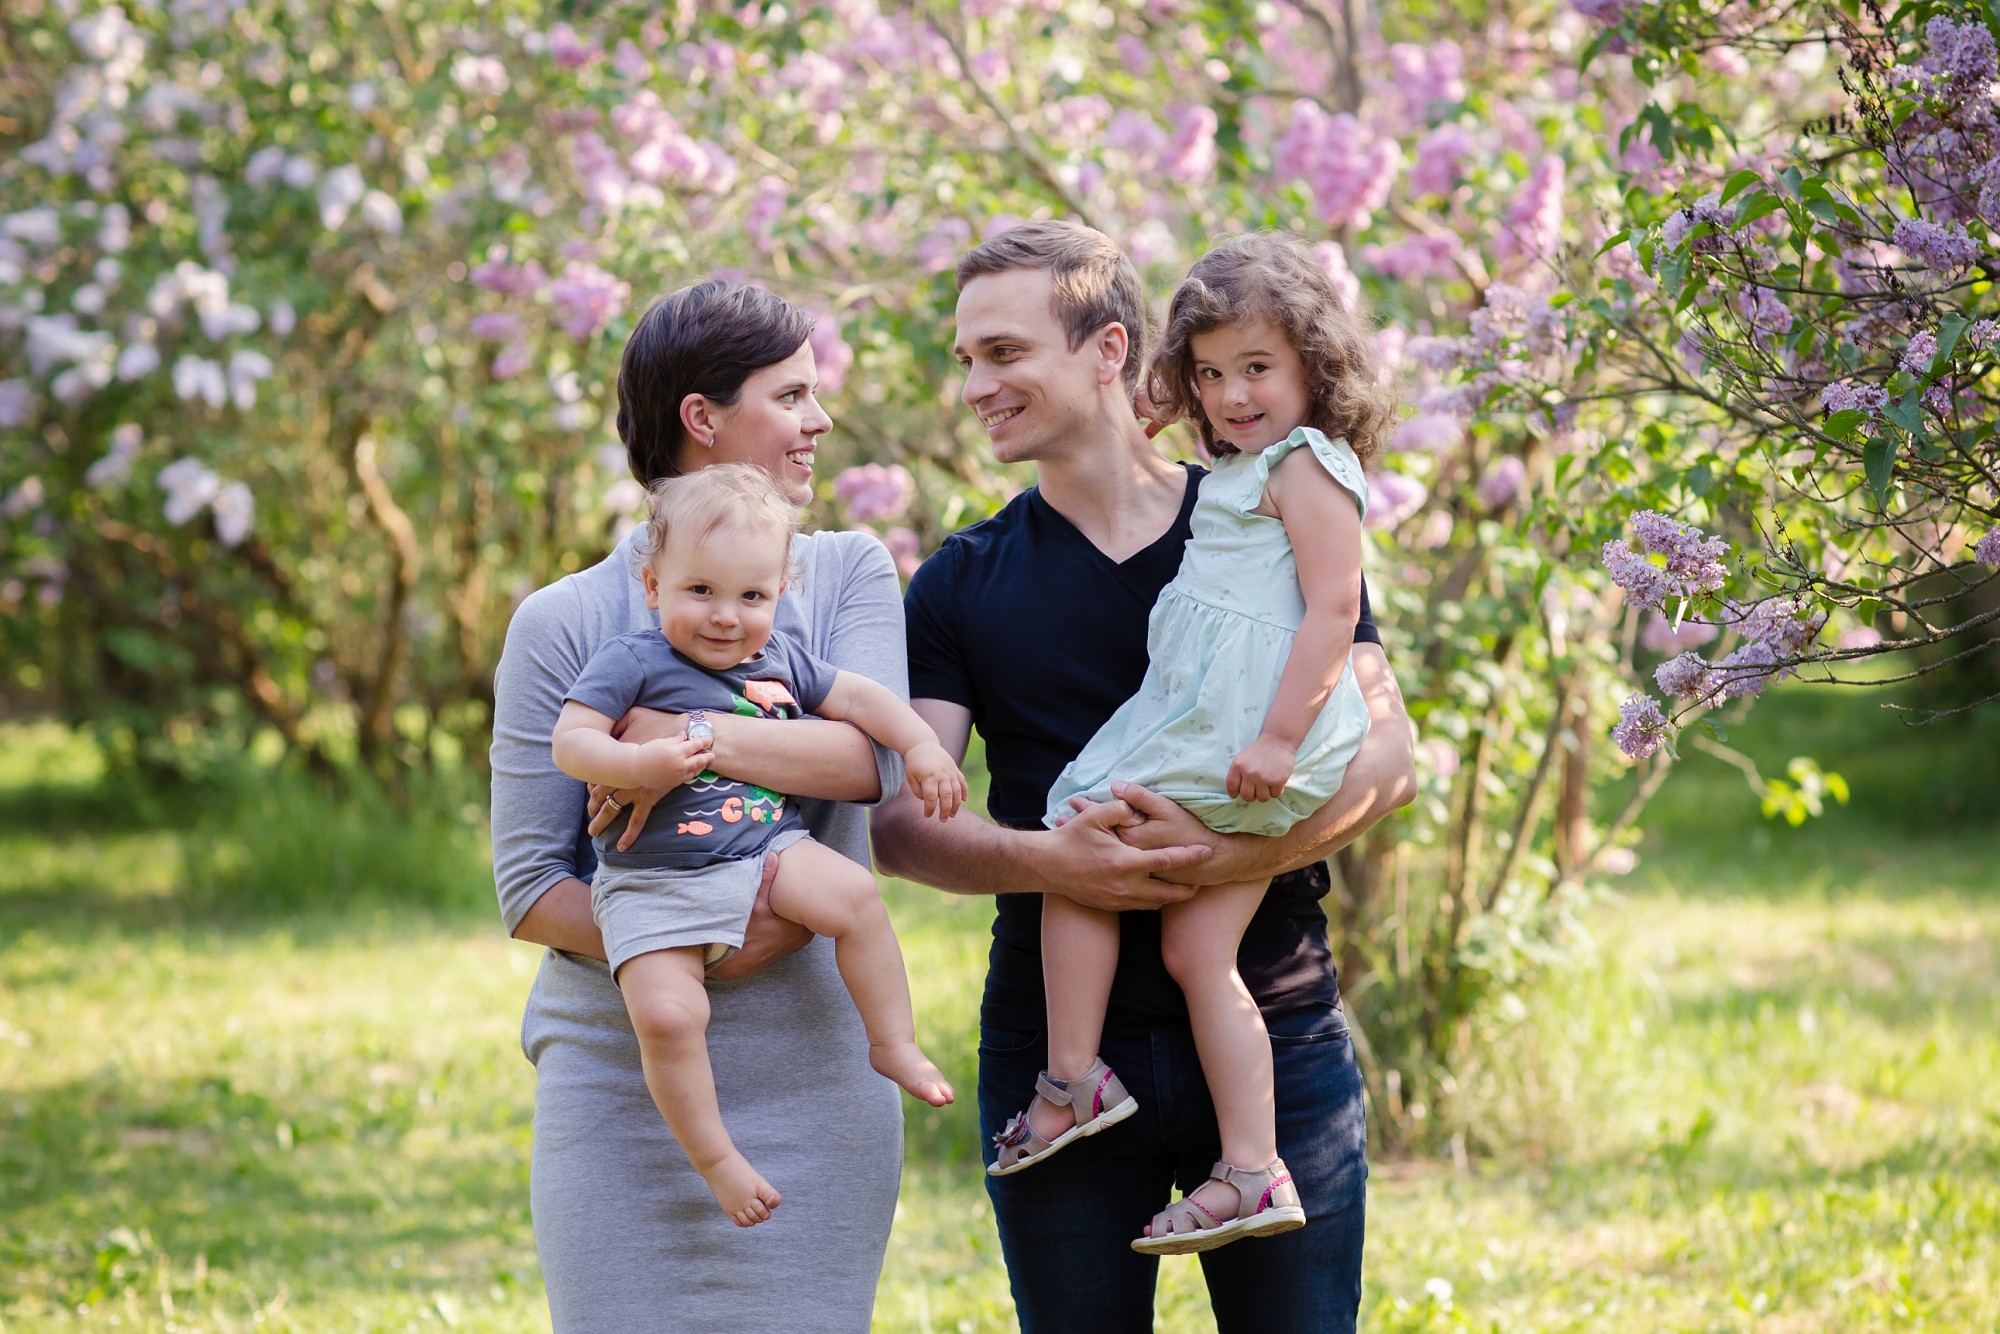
(1249, 712)
(717, 547)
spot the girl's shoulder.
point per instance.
(1334, 456)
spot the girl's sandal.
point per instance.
(1267, 1203)
(1020, 1147)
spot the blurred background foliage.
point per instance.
(309, 316)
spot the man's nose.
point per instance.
(977, 386)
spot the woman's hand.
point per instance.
(605, 806)
(929, 773)
(1261, 771)
(767, 937)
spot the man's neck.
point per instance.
(1118, 491)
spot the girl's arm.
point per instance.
(584, 749)
(881, 713)
(1324, 526)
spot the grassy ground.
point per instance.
(1768, 1100)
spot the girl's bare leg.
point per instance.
(669, 1008)
(832, 896)
(1198, 939)
(1079, 956)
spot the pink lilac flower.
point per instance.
(190, 485)
(495, 326)
(1681, 221)
(1658, 634)
(938, 250)
(1617, 861)
(1641, 726)
(1534, 218)
(1604, 11)
(1502, 481)
(17, 402)
(511, 360)
(1774, 630)
(1692, 561)
(117, 461)
(1422, 77)
(1988, 550)
(339, 191)
(903, 545)
(1136, 56)
(1189, 156)
(831, 354)
(235, 510)
(1765, 313)
(1858, 637)
(568, 49)
(1983, 333)
(1917, 356)
(1334, 260)
(1347, 166)
(1840, 396)
(1441, 158)
(1434, 432)
(585, 298)
(1945, 248)
(1686, 677)
(1392, 498)
(1413, 257)
(873, 492)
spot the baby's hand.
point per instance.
(1262, 770)
(671, 761)
(929, 772)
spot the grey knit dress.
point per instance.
(631, 1241)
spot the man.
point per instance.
(1032, 627)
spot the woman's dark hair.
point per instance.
(1276, 276)
(707, 339)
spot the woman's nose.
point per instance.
(815, 421)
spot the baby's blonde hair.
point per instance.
(695, 505)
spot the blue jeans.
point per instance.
(1066, 1225)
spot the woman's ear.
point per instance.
(698, 416)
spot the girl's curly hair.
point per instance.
(1274, 275)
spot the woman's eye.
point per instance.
(789, 397)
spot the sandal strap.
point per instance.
(1184, 1216)
(1052, 1089)
(1260, 1190)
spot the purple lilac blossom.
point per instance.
(1441, 158)
(1917, 356)
(1988, 550)
(872, 492)
(1693, 561)
(1502, 481)
(1658, 634)
(1945, 248)
(1604, 11)
(1641, 726)
(1392, 498)
(832, 357)
(1434, 432)
(1840, 396)
(1348, 167)
(1685, 677)
(585, 298)
(1983, 334)
(1534, 219)
(903, 545)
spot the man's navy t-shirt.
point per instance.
(1024, 622)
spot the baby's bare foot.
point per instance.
(743, 1194)
(909, 1067)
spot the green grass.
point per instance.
(1766, 1099)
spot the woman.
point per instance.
(629, 1237)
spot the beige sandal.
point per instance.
(1020, 1147)
(1266, 1203)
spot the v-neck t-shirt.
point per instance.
(1022, 620)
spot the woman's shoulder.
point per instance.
(830, 559)
(588, 606)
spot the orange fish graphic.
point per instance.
(696, 827)
(770, 696)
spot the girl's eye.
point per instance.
(1209, 373)
(1258, 368)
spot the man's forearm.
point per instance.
(966, 855)
(561, 919)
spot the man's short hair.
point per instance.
(1092, 283)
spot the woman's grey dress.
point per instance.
(631, 1241)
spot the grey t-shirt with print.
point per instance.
(711, 819)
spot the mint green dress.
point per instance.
(1217, 641)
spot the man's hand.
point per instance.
(1157, 824)
(1261, 770)
(929, 773)
(1087, 862)
(767, 937)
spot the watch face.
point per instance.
(700, 732)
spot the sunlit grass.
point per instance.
(1765, 1101)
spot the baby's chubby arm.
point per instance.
(585, 749)
(877, 710)
(1324, 526)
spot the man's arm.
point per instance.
(1381, 779)
(1084, 860)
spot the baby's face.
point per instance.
(718, 596)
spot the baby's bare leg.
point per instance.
(669, 1008)
(832, 896)
(1079, 957)
(1198, 940)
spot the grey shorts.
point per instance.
(642, 909)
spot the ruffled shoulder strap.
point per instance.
(1336, 456)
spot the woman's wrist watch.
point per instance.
(699, 728)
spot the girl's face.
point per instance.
(1253, 387)
(775, 423)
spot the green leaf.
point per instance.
(1791, 177)
(1948, 330)
(1660, 129)
(1561, 299)
(1841, 424)
(1735, 185)
(1700, 479)
(1823, 209)
(1907, 412)
(1754, 206)
(1878, 460)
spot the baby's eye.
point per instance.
(753, 596)
(700, 590)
